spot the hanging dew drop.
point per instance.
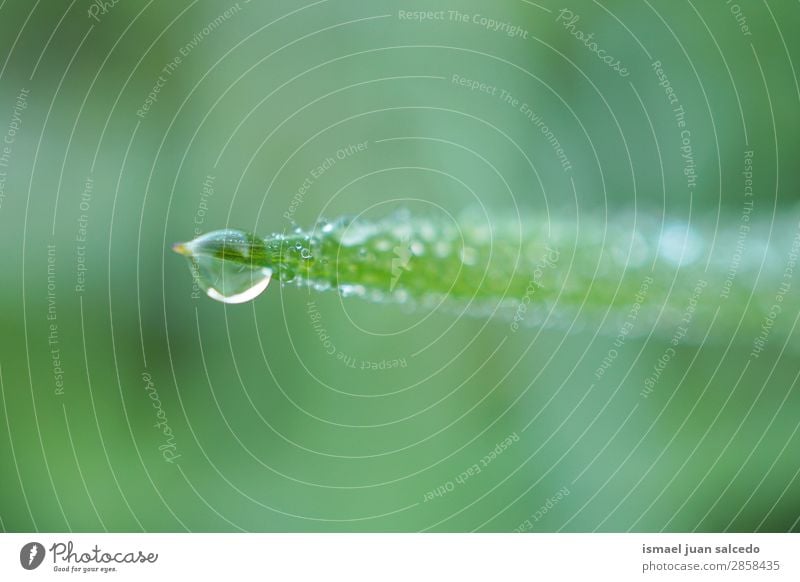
(226, 265)
(231, 283)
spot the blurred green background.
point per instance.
(130, 404)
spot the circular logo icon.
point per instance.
(31, 555)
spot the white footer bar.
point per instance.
(402, 557)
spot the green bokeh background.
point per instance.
(273, 432)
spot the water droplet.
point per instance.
(468, 256)
(401, 295)
(402, 214)
(403, 231)
(236, 279)
(680, 245)
(353, 233)
(305, 253)
(350, 290)
(228, 282)
(481, 234)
